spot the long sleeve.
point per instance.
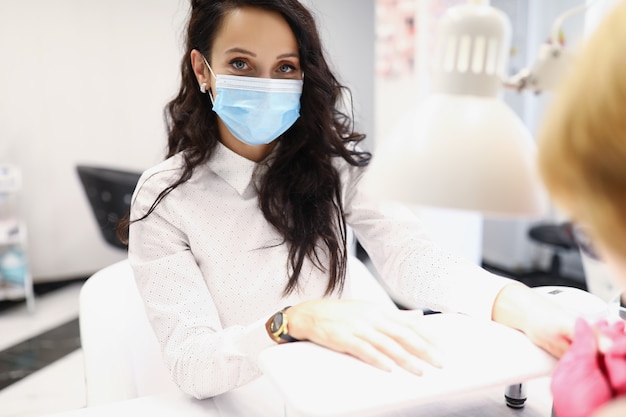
(211, 270)
(204, 358)
(417, 271)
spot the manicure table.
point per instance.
(477, 355)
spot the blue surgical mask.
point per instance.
(256, 110)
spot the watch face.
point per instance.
(277, 321)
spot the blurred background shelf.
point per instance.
(15, 279)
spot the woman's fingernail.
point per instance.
(415, 369)
(386, 364)
(436, 360)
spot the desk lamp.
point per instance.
(462, 147)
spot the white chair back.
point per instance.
(122, 355)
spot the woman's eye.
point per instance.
(286, 68)
(238, 64)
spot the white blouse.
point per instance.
(211, 270)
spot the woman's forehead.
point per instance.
(261, 32)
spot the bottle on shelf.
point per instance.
(15, 280)
(13, 266)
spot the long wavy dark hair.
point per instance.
(300, 194)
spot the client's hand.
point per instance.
(545, 322)
(377, 335)
(615, 408)
(579, 385)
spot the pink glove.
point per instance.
(579, 385)
(615, 356)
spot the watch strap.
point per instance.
(288, 338)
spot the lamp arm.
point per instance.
(553, 60)
(556, 26)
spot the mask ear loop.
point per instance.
(213, 74)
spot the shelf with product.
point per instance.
(15, 279)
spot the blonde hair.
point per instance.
(582, 143)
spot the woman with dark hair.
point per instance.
(239, 239)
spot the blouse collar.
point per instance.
(233, 168)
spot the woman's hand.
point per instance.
(615, 408)
(380, 336)
(545, 322)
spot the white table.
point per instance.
(482, 359)
(479, 355)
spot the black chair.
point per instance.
(109, 192)
(559, 237)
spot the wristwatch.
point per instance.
(277, 327)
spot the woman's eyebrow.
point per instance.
(240, 51)
(288, 55)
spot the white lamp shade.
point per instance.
(463, 152)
